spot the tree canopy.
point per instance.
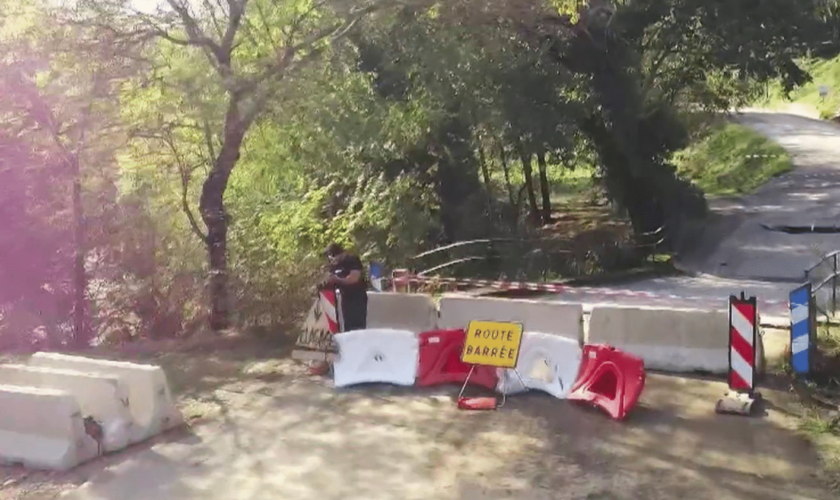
(191, 161)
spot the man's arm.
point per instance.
(351, 279)
(355, 274)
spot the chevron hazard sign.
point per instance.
(321, 324)
(743, 314)
(801, 329)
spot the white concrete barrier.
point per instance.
(681, 340)
(42, 429)
(403, 311)
(103, 397)
(377, 355)
(556, 318)
(547, 363)
(150, 400)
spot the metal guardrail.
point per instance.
(833, 258)
(450, 264)
(649, 242)
(488, 243)
(660, 233)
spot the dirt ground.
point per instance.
(262, 428)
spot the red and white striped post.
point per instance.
(331, 307)
(743, 330)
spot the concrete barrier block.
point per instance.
(680, 340)
(402, 311)
(103, 397)
(556, 318)
(42, 429)
(150, 400)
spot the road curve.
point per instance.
(739, 246)
(736, 253)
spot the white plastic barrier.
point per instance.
(556, 318)
(377, 355)
(42, 429)
(681, 340)
(150, 400)
(548, 363)
(104, 397)
(403, 311)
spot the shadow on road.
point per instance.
(299, 438)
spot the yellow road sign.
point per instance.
(492, 343)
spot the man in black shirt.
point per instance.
(347, 274)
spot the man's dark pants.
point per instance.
(354, 312)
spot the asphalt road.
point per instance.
(737, 253)
(809, 195)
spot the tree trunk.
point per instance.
(506, 168)
(546, 193)
(458, 182)
(529, 182)
(485, 171)
(80, 331)
(215, 217)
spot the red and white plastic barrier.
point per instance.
(743, 321)
(608, 378)
(440, 361)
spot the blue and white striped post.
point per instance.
(376, 275)
(801, 329)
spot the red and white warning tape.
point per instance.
(498, 285)
(558, 288)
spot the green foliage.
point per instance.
(825, 73)
(411, 126)
(731, 159)
(692, 47)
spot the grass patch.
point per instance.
(821, 420)
(730, 159)
(565, 182)
(823, 431)
(829, 342)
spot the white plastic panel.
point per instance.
(376, 355)
(547, 363)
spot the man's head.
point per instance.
(334, 251)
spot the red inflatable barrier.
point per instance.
(610, 379)
(440, 361)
